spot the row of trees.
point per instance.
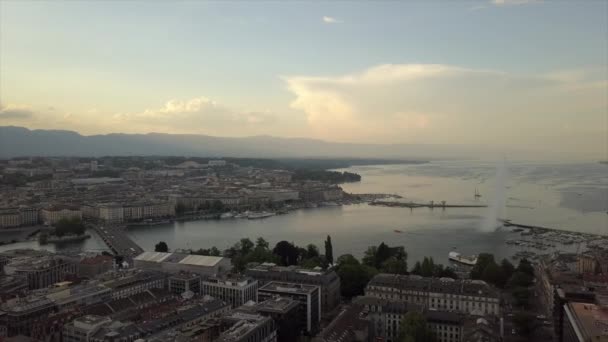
(506, 276)
(354, 275)
(284, 253)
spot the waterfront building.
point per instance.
(53, 214)
(235, 291)
(179, 262)
(10, 217)
(217, 162)
(111, 213)
(585, 323)
(308, 297)
(12, 286)
(474, 297)
(327, 280)
(29, 216)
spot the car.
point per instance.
(513, 332)
(541, 317)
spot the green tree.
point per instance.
(288, 253)
(525, 323)
(329, 250)
(520, 279)
(214, 251)
(521, 296)
(69, 226)
(507, 268)
(246, 246)
(395, 266)
(347, 259)
(261, 243)
(180, 208)
(312, 251)
(354, 278)
(493, 274)
(217, 206)
(526, 267)
(483, 260)
(414, 328)
(161, 247)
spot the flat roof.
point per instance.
(201, 260)
(153, 256)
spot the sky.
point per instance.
(506, 74)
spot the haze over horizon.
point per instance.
(503, 75)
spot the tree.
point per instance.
(180, 208)
(347, 259)
(525, 323)
(493, 274)
(520, 279)
(507, 268)
(395, 266)
(214, 251)
(287, 253)
(521, 296)
(526, 267)
(354, 278)
(246, 245)
(217, 206)
(329, 250)
(161, 247)
(414, 328)
(69, 226)
(483, 260)
(261, 243)
(312, 251)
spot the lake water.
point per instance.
(565, 196)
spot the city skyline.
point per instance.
(502, 74)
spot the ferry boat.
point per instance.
(227, 215)
(259, 215)
(397, 231)
(457, 257)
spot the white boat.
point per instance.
(457, 257)
(259, 215)
(228, 215)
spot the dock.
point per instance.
(431, 205)
(115, 237)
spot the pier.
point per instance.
(117, 240)
(431, 205)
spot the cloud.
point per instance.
(15, 112)
(196, 115)
(331, 20)
(435, 103)
(514, 2)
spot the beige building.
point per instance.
(10, 217)
(474, 297)
(111, 213)
(53, 214)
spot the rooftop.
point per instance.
(591, 319)
(275, 286)
(440, 285)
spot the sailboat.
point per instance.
(477, 194)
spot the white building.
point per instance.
(235, 291)
(111, 213)
(53, 214)
(178, 262)
(474, 297)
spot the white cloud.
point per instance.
(331, 20)
(13, 112)
(196, 115)
(431, 103)
(514, 2)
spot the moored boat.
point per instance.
(457, 257)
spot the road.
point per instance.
(117, 240)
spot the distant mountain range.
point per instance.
(19, 141)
